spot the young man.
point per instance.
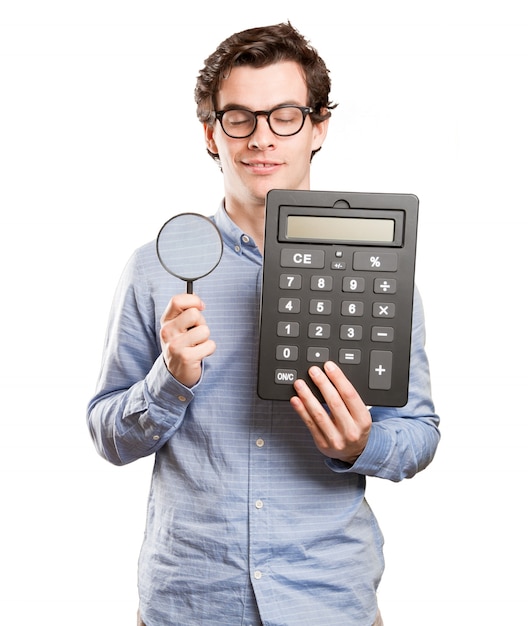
(257, 512)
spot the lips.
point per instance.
(262, 166)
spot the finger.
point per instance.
(180, 303)
(185, 353)
(327, 388)
(347, 395)
(312, 424)
(187, 322)
(190, 352)
(310, 409)
(351, 419)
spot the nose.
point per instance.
(263, 137)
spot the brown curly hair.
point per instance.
(259, 47)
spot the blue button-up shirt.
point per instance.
(247, 522)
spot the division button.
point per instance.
(385, 285)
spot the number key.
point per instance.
(319, 331)
(289, 305)
(287, 353)
(351, 333)
(288, 329)
(320, 307)
(290, 281)
(321, 283)
(354, 309)
(354, 284)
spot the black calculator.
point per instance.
(338, 284)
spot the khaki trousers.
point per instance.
(378, 621)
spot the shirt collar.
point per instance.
(233, 236)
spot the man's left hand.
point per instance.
(342, 431)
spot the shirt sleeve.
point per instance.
(138, 404)
(402, 441)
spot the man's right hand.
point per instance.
(185, 338)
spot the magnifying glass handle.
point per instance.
(189, 286)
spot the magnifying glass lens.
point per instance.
(189, 246)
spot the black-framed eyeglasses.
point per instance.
(284, 120)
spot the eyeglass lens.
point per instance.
(283, 121)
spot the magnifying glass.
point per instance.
(189, 246)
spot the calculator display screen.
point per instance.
(318, 227)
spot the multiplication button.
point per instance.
(383, 309)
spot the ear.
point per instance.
(320, 130)
(209, 138)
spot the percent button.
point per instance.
(365, 260)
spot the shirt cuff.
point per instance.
(372, 457)
(163, 390)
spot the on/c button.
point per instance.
(285, 376)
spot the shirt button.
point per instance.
(237, 248)
(182, 398)
(260, 442)
(259, 504)
(258, 574)
(245, 238)
(156, 437)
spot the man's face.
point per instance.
(264, 161)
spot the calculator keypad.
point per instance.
(380, 361)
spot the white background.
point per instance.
(99, 145)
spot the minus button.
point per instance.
(382, 333)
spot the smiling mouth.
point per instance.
(261, 165)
